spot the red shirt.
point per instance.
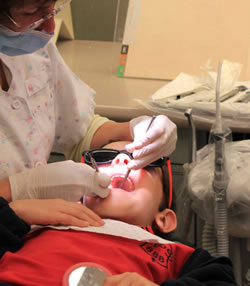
(47, 254)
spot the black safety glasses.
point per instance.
(106, 156)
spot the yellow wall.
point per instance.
(180, 36)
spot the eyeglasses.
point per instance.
(106, 156)
(37, 23)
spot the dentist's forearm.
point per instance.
(111, 131)
(5, 191)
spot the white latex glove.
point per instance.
(66, 179)
(158, 141)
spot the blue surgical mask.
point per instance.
(21, 43)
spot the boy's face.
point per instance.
(138, 201)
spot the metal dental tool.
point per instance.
(151, 121)
(188, 114)
(93, 162)
(128, 172)
(94, 165)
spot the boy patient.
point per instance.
(141, 205)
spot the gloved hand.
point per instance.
(66, 179)
(158, 141)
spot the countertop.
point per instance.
(96, 63)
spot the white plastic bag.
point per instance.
(200, 188)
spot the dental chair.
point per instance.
(198, 193)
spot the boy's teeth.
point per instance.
(116, 182)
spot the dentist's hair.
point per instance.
(5, 6)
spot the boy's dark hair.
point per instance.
(4, 7)
(165, 186)
(6, 4)
(165, 201)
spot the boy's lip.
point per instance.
(117, 180)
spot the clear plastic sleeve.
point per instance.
(200, 186)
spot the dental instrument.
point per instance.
(93, 162)
(233, 92)
(128, 172)
(188, 114)
(94, 165)
(190, 215)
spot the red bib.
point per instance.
(47, 254)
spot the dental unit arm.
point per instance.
(219, 134)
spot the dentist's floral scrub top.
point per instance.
(46, 108)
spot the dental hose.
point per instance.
(209, 239)
(221, 228)
(219, 136)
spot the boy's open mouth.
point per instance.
(117, 181)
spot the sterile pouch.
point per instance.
(230, 75)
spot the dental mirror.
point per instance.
(84, 274)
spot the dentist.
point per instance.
(44, 107)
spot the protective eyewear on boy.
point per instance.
(106, 156)
(37, 23)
